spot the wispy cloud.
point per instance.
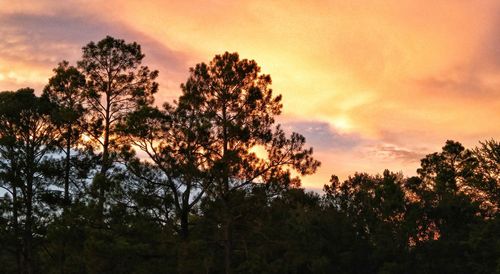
(322, 136)
(40, 41)
(393, 153)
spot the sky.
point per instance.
(372, 85)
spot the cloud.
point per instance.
(476, 79)
(43, 39)
(393, 153)
(461, 85)
(43, 35)
(488, 53)
(321, 136)
(40, 41)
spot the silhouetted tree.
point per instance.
(486, 176)
(239, 105)
(65, 90)
(26, 139)
(445, 210)
(174, 140)
(117, 84)
(376, 207)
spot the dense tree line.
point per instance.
(98, 179)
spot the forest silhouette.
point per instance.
(98, 179)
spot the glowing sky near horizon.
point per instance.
(371, 84)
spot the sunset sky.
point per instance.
(371, 84)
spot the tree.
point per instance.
(239, 105)
(376, 207)
(445, 210)
(64, 90)
(486, 176)
(26, 139)
(445, 185)
(117, 84)
(175, 140)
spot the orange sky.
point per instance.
(371, 84)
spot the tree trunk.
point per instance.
(15, 216)
(184, 230)
(67, 200)
(184, 214)
(28, 230)
(228, 233)
(228, 244)
(67, 172)
(103, 181)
